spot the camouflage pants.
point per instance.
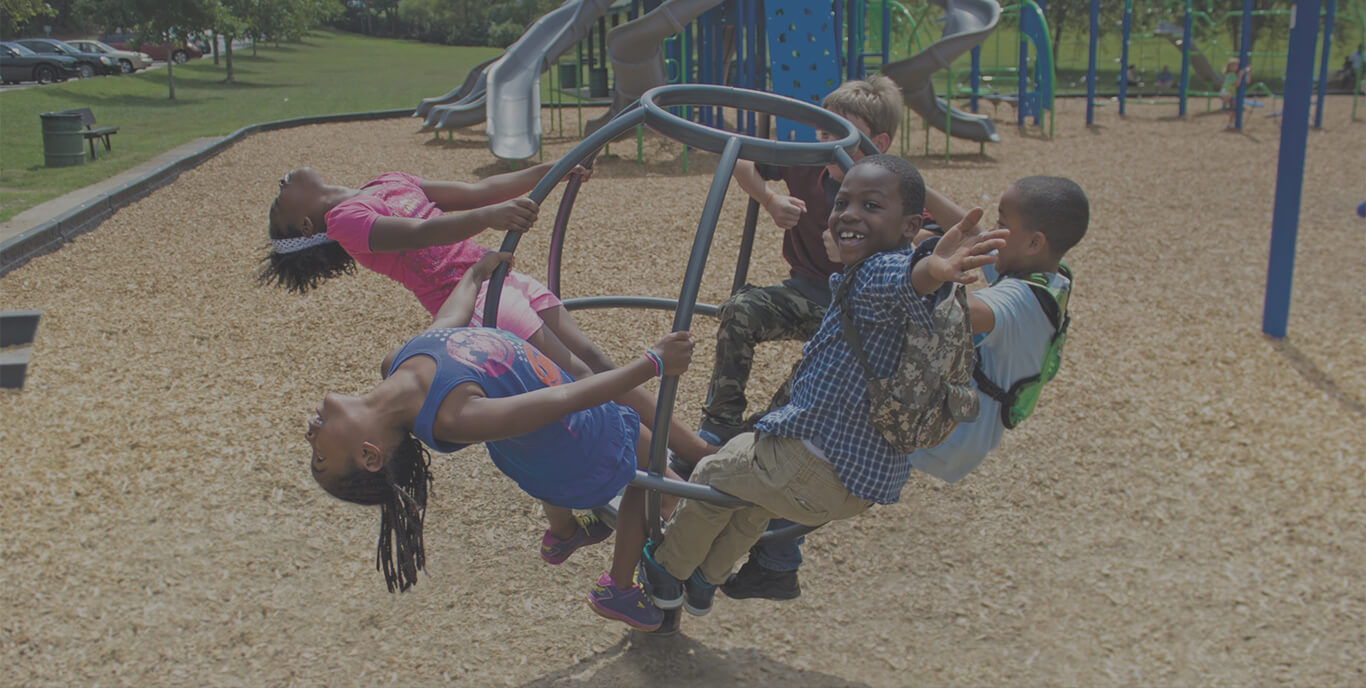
(753, 315)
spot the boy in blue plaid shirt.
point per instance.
(818, 459)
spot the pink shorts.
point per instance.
(523, 297)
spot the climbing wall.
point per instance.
(803, 57)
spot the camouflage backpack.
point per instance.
(930, 392)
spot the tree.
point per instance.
(159, 21)
(15, 14)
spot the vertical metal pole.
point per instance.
(1245, 60)
(1185, 58)
(687, 301)
(1091, 65)
(1124, 54)
(1299, 67)
(1022, 74)
(1323, 63)
(975, 76)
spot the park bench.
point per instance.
(91, 132)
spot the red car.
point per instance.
(180, 54)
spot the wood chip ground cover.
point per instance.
(1185, 508)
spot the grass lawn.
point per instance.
(328, 73)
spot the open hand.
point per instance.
(675, 350)
(516, 215)
(832, 247)
(964, 248)
(785, 210)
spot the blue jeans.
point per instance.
(780, 555)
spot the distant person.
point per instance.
(1164, 78)
(1133, 76)
(1228, 92)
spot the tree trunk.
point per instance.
(227, 44)
(170, 77)
(213, 36)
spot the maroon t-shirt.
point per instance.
(802, 245)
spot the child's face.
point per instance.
(1023, 242)
(299, 192)
(336, 434)
(836, 173)
(867, 217)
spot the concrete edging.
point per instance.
(53, 234)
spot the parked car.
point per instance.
(129, 61)
(90, 64)
(180, 54)
(18, 63)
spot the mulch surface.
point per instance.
(1185, 508)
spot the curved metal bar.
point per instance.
(787, 153)
(619, 125)
(687, 298)
(561, 226)
(648, 302)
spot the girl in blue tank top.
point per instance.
(564, 441)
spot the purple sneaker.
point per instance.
(591, 531)
(629, 606)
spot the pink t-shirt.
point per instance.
(430, 273)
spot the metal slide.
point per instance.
(635, 50)
(966, 24)
(1199, 62)
(507, 94)
(473, 80)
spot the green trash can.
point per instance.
(63, 144)
(569, 75)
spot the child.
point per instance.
(1046, 217)
(1164, 78)
(818, 458)
(565, 442)
(395, 225)
(1228, 92)
(793, 309)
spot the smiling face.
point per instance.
(299, 199)
(867, 217)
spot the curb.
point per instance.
(53, 234)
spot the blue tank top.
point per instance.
(578, 462)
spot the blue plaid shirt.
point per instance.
(829, 404)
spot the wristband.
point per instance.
(769, 199)
(655, 360)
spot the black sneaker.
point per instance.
(681, 467)
(753, 581)
(698, 594)
(664, 590)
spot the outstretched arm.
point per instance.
(483, 419)
(450, 196)
(958, 252)
(393, 234)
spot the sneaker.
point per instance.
(660, 585)
(591, 531)
(629, 606)
(753, 581)
(698, 594)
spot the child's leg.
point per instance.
(562, 523)
(631, 519)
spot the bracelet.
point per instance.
(655, 360)
(767, 200)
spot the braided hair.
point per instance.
(400, 489)
(302, 270)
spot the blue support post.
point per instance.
(1185, 58)
(1124, 54)
(1299, 70)
(1323, 63)
(1245, 62)
(1022, 76)
(1091, 64)
(975, 76)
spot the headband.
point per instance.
(293, 244)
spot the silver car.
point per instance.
(129, 61)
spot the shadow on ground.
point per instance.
(681, 662)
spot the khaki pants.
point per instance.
(779, 476)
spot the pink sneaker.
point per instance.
(629, 606)
(591, 531)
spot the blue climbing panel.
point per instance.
(803, 57)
